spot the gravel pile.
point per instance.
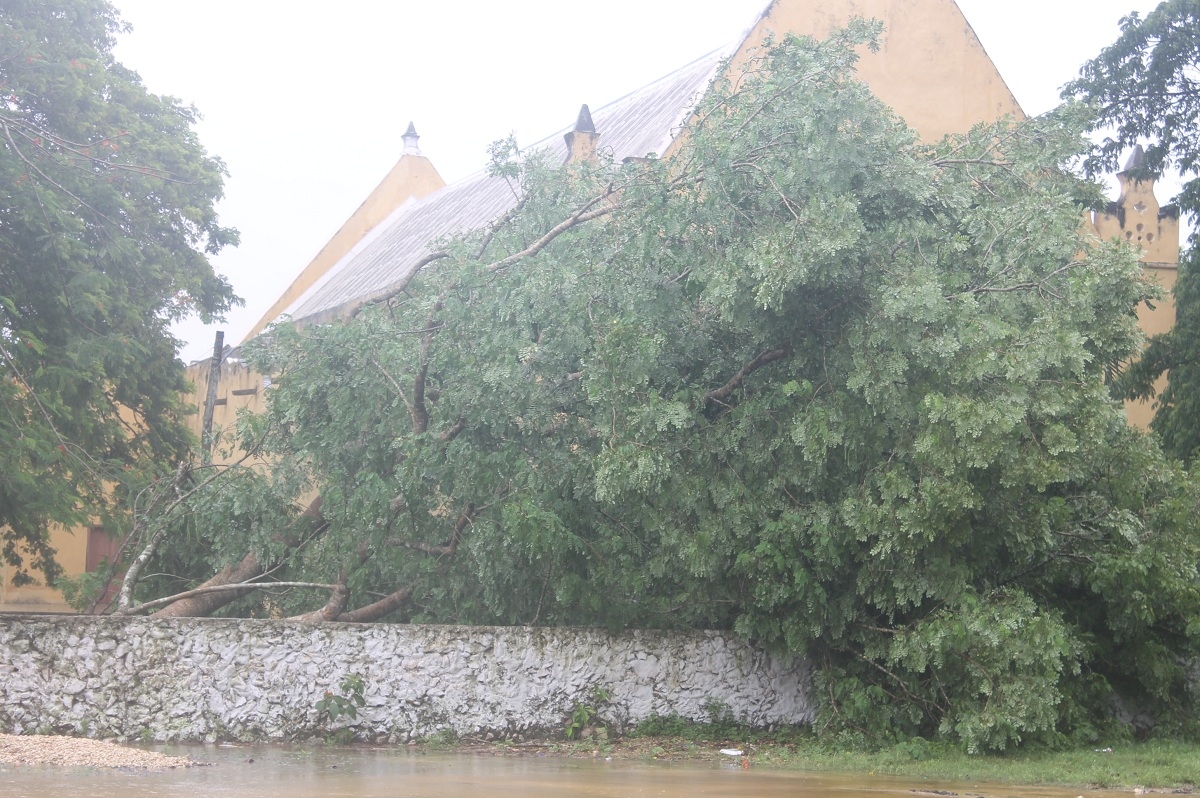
(76, 752)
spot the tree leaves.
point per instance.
(809, 379)
(1144, 90)
(105, 215)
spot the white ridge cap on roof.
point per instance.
(643, 122)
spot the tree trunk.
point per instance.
(208, 603)
(373, 612)
(338, 599)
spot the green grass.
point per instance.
(443, 740)
(1153, 765)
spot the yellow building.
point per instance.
(931, 69)
(1137, 218)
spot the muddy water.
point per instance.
(272, 772)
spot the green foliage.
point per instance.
(720, 727)
(1144, 89)
(81, 590)
(996, 663)
(347, 702)
(809, 379)
(582, 715)
(442, 738)
(1169, 767)
(106, 216)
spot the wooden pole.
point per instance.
(210, 402)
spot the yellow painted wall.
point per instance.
(238, 389)
(71, 545)
(1136, 217)
(931, 67)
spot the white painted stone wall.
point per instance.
(216, 679)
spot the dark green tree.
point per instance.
(106, 220)
(1145, 88)
(808, 378)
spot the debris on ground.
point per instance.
(37, 749)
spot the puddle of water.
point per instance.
(280, 772)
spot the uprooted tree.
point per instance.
(807, 378)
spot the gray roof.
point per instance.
(639, 124)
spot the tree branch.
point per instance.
(197, 604)
(581, 216)
(719, 394)
(379, 609)
(402, 286)
(339, 596)
(130, 581)
(203, 591)
(447, 549)
(454, 431)
(495, 226)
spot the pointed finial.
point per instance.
(1137, 159)
(584, 123)
(581, 141)
(410, 141)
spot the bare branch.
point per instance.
(402, 286)
(579, 217)
(399, 391)
(244, 572)
(417, 410)
(139, 562)
(975, 161)
(987, 288)
(129, 582)
(200, 591)
(495, 226)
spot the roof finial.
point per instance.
(581, 141)
(410, 141)
(1137, 159)
(584, 123)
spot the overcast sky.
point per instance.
(306, 102)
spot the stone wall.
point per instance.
(216, 679)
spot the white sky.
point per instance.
(306, 101)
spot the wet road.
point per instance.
(277, 772)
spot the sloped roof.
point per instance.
(639, 124)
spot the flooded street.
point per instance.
(276, 772)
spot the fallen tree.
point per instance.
(809, 379)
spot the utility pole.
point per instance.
(210, 402)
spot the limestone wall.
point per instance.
(215, 679)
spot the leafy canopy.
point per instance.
(807, 378)
(106, 216)
(1145, 88)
